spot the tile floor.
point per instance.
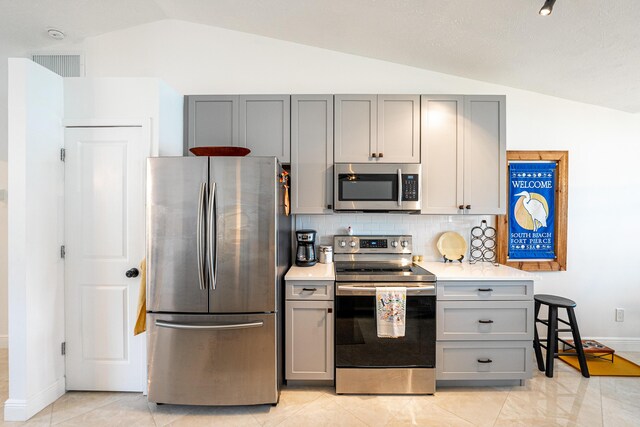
(565, 400)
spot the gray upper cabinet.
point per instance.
(264, 125)
(399, 128)
(377, 128)
(485, 155)
(355, 128)
(212, 120)
(258, 122)
(463, 154)
(311, 154)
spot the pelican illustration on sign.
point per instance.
(531, 210)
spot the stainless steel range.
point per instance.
(366, 363)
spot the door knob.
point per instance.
(132, 272)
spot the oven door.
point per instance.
(377, 187)
(356, 340)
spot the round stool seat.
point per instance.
(554, 300)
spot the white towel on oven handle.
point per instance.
(391, 308)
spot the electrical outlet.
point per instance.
(619, 314)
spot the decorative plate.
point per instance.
(452, 246)
(220, 151)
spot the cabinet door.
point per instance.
(355, 128)
(311, 154)
(399, 128)
(212, 120)
(265, 125)
(485, 155)
(309, 340)
(442, 144)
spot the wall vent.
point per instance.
(64, 65)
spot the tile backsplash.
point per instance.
(425, 229)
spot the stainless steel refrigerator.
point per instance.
(218, 245)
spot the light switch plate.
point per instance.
(619, 314)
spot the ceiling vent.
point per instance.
(64, 65)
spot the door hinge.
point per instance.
(63, 348)
(63, 154)
(63, 251)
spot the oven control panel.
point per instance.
(345, 244)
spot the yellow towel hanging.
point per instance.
(141, 318)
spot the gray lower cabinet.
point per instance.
(484, 330)
(463, 154)
(309, 324)
(311, 154)
(258, 122)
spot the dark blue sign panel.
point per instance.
(532, 189)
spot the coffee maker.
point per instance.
(306, 252)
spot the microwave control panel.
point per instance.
(410, 187)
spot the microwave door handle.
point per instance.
(399, 187)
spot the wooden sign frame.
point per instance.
(561, 158)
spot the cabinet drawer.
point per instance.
(496, 320)
(309, 290)
(493, 360)
(485, 290)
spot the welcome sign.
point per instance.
(532, 189)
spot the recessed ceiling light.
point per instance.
(55, 34)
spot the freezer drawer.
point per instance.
(212, 359)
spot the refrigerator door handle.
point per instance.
(212, 233)
(209, 327)
(200, 236)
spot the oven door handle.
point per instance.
(424, 289)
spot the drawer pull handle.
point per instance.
(485, 321)
(485, 290)
(309, 289)
(485, 360)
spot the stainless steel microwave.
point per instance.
(381, 187)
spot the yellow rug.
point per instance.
(620, 367)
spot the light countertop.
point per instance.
(478, 271)
(448, 271)
(315, 272)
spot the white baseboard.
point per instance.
(4, 341)
(23, 409)
(619, 343)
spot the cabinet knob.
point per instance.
(329, 206)
(374, 155)
(329, 310)
(468, 207)
(380, 155)
(461, 207)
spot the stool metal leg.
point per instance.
(578, 343)
(552, 335)
(536, 338)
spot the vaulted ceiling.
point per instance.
(586, 50)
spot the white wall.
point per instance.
(603, 144)
(36, 226)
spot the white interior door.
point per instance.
(105, 237)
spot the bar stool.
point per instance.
(554, 302)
